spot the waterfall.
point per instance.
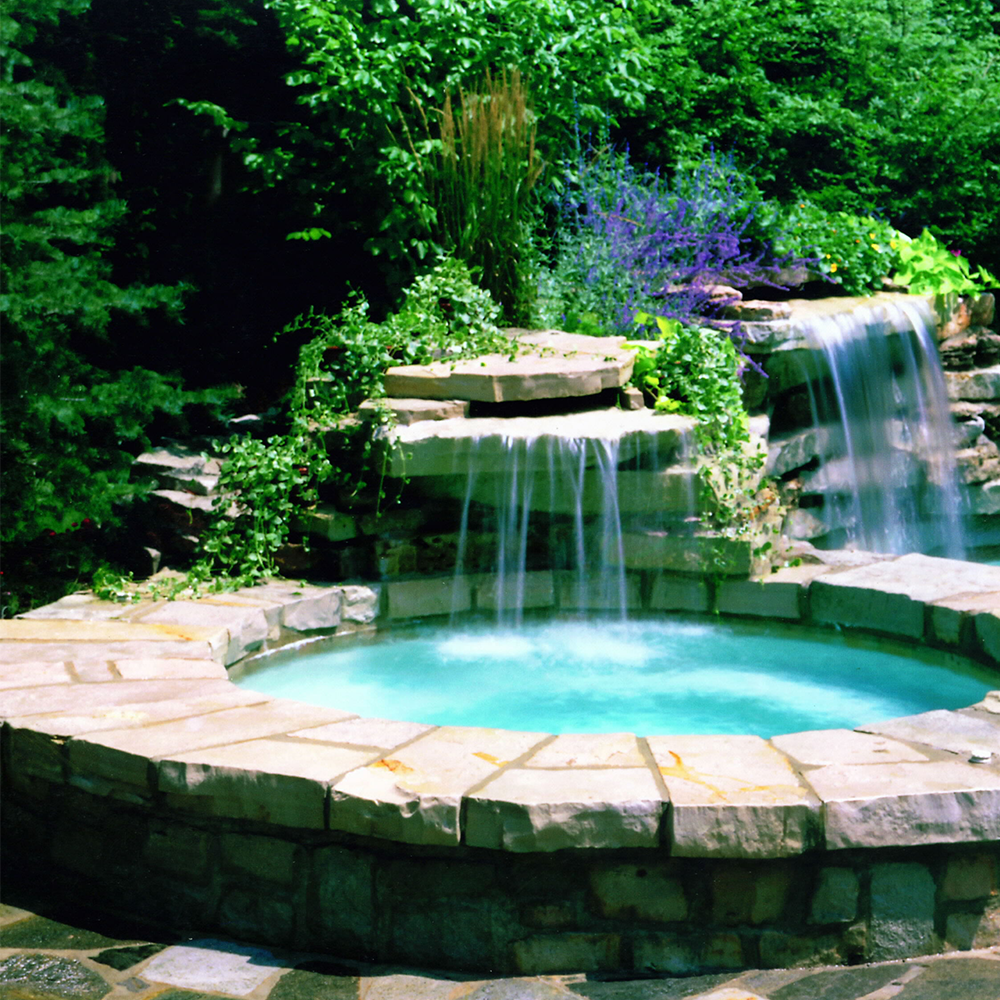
(877, 393)
(550, 502)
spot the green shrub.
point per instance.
(69, 426)
(479, 175)
(342, 360)
(853, 251)
(928, 268)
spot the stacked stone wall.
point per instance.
(572, 910)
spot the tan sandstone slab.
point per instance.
(135, 714)
(534, 809)
(566, 365)
(124, 754)
(890, 596)
(214, 648)
(59, 630)
(166, 668)
(32, 674)
(907, 803)
(481, 444)
(36, 741)
(589, 750)
(270, 780)
(411, 411)
(415, 795)
(247, 627)
(303, 606)
(962, 733)
(979, 383)
(844, 746)
(79, 607)
(381, 733)
(734, 796)
(85, 698)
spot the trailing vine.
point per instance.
(266, 483)
(695, 371)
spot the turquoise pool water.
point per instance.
(652, 677)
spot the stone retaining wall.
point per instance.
(142, 780)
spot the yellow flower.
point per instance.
(827, 256)
(871, 236)
(833, 268)
(893, 244)
(876, 248)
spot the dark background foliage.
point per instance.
(158, 154)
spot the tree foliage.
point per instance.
(359, 60)
(68, 424)
(891, 107)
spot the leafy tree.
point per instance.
(359, 60)
(893, 108)
(69, 426)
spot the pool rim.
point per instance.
(508, 805)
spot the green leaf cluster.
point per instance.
(69, 426)
(928, 268)
(695, 371)
(264, 484)
(889, 107)
(853, 251)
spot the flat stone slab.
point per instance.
(219, 966)
(734, 796)
(980, 383)
(123, 754)
(529, 809)
(885, 805)
(564, 365)
(415, 796)
(795, 331)
(282, 782)
(672, 490)
(454, 447)
(962, 733)
(412, 411)
(843, 746)
(890, 596)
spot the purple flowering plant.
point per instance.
(629, 241)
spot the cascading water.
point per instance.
(878, 395)
(553, 498)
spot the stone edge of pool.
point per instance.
(134, 703)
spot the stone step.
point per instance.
(451, 447)
(561, 365)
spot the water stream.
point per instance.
(877, 391)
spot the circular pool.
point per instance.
(646, 675)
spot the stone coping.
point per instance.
(134, 702)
